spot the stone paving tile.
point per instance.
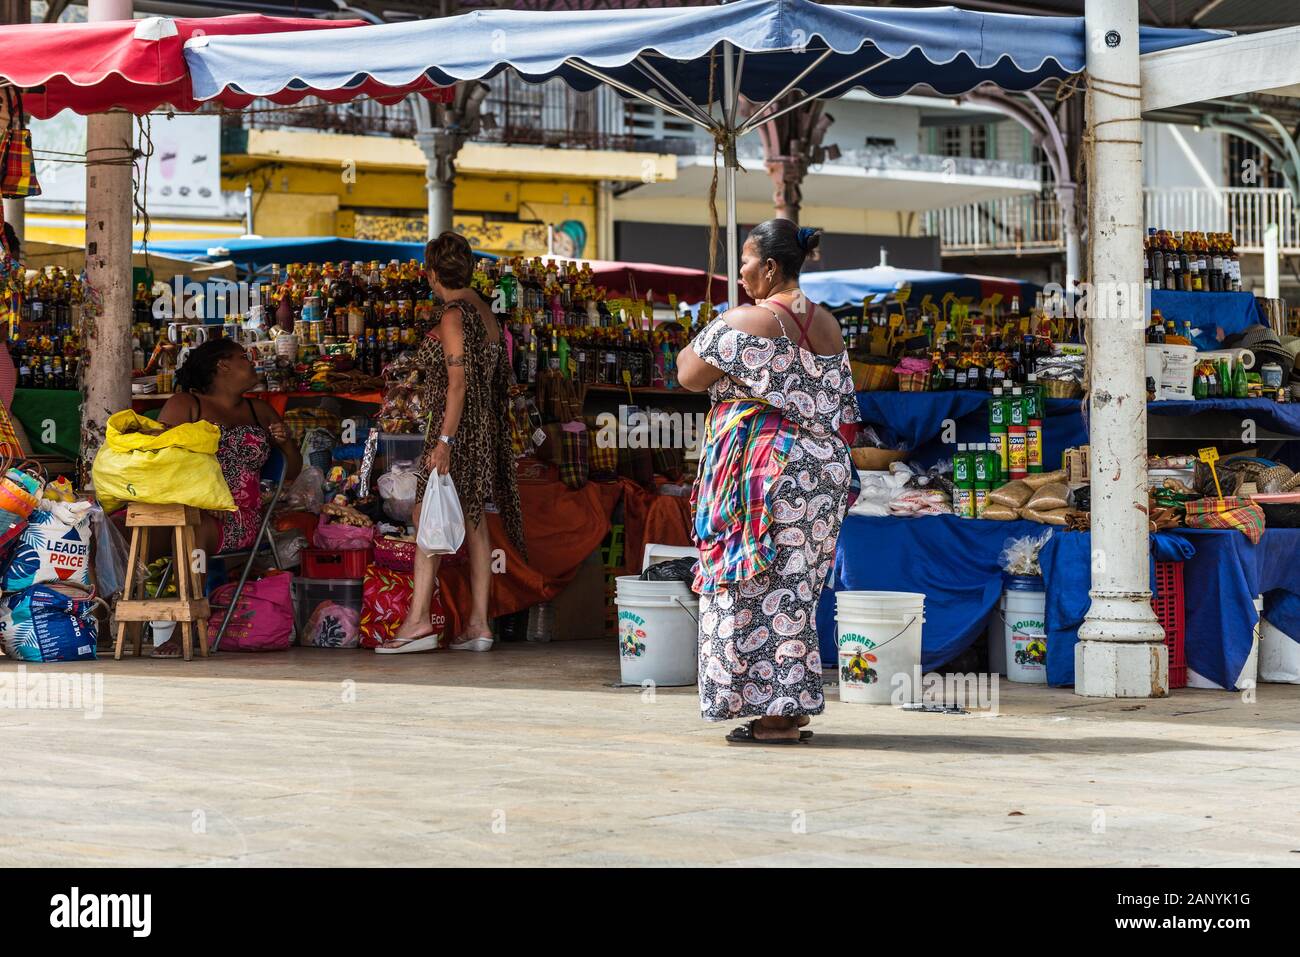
(411, 762)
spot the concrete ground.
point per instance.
(529, 755)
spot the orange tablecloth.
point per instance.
(562, 528)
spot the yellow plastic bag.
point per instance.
(144, 461)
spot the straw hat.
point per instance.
(1274, 479)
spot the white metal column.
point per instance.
(109, 213)
(1121, 652)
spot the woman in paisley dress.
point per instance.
(213, 380)
(758, 649)
(467, 382)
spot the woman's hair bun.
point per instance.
(809, 238)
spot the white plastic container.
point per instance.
(1024, 628)
(658, 625)
(1279, 655)
(878, 635)
(1173, 368)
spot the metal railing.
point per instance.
(1033, 223)
(1244, 211)
(1013, 224)
(516, 113)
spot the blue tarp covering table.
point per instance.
(1209, 312)
(955, 563)
(917, 420)
(1220, 583)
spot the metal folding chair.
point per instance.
(274, 470)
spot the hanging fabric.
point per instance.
(17, 167)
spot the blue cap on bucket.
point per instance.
(1023, 582)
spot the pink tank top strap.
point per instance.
(801, 326)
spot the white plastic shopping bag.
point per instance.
(442, 524)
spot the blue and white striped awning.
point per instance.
(820, 49)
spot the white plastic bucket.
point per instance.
(658, 630)
(1279, 655)
(1025, 631)
(879, 636)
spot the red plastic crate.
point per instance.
(1168, 606)
(335, 563)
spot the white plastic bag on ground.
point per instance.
(442, 525)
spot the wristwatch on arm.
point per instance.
(445, 439)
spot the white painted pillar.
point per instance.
(1121, 652)
(106, 381)
(1070, 232)
(1272, 260)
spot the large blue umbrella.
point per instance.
(694, 62)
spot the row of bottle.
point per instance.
(556, 294)
(1016, 419)
(1162, 331)
(1191, 262)
(52, 296)
(976, 471)
(623, 356)
(1218, 378)
(46, 362)
(987, 364)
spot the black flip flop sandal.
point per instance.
(745, 735)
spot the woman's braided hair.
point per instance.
(199, 370)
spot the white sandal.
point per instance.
(481, 643)
(421, 643)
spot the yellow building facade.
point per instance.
(517, 200)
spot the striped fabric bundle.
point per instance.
(746, 443)
(1239, 513)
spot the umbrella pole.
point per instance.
(729, 172)
(106, 382)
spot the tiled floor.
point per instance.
(529, 755)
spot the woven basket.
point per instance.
(1061, 388)
(876, 460)
(874, 376)
(913, 382)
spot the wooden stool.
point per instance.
(190, 608)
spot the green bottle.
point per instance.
(1239, 389)
(961, 466)
(983, 465)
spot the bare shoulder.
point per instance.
(755, 320)
(178, 409)
(825, 333)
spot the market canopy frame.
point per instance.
(693, 62)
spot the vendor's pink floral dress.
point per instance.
(758, 639)
(242, 452)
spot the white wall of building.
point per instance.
(1179, 156)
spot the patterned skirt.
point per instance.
(758, 639)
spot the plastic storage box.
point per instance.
(335, 563)
(398, 447)
(310, 593)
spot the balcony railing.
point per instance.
(516, 113)
(1014, 224)
(1021, 224)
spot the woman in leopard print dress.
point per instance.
(467, 381)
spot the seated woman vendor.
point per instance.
(213, 380)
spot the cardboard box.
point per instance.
(1173, 368)
(1076, 466)
(580, 607)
